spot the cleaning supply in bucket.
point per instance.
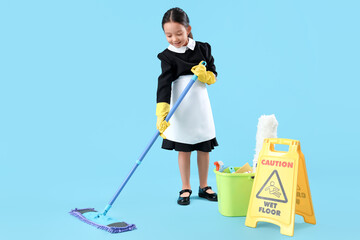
(234, 191)
(231, 169)
(244, 169)
(219, 165)
(222, 169)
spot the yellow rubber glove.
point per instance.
(162, 110)
(203, 75)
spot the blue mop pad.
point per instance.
(94, 218)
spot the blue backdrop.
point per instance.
(78, 84)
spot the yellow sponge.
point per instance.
(245, 168)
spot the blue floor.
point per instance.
(38, 207)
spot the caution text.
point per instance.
(277, 163)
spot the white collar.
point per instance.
(190, 45)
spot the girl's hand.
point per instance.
(162, 110)
(162, 125)
(204, 76)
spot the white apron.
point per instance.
(192, 121)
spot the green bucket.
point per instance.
(234, 191)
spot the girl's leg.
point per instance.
(203, 167)
(184, 166)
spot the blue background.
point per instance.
(77, 102)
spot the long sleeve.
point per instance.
(210, 59)
(164, 81)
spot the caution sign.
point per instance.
(304, 205)
(281, 188)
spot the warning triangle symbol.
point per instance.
(273, 189)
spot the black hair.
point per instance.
(176, 15)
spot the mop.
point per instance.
(112, 225)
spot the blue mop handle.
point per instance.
(152, 141)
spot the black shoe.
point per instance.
(184, 200)
(208, 196)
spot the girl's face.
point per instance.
(176, 34)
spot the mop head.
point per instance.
(94, 218)
(266, 128)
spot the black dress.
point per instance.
(175, 66)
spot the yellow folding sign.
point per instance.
(281, 187)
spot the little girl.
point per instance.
(191, 128)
